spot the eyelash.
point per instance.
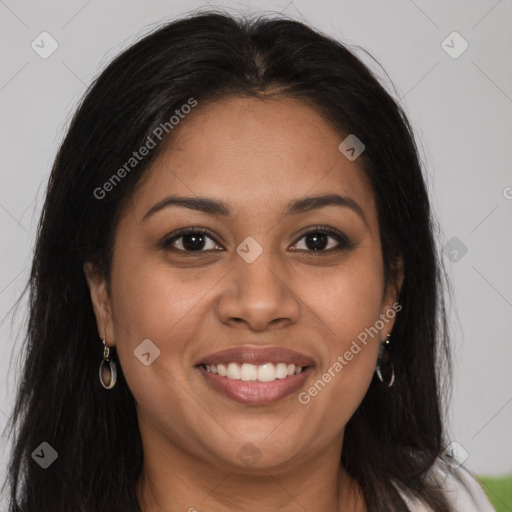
(343, 241)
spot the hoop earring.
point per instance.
(107, 369)
(385, 371)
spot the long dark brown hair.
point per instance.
(395, 435)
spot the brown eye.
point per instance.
(191, 241)
(323, 240)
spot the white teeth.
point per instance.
(267, 373)
(281, 370)
(249, 372)
(233, 371)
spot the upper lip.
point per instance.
(257, 356)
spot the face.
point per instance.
(269, 276)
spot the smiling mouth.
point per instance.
(246, 372)
(255, 385)
(255, 375)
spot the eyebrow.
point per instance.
(218, 208)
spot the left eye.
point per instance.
(318, 241)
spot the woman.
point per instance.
(235, 300)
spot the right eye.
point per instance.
(191, 240)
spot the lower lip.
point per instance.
(255, 392)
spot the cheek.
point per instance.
(345, 299)
(346, 306)
(151, 302)
(154, 301)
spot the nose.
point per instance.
(258, 296)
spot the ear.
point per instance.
(100, 302)
(390, 305)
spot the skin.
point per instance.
(256, 155)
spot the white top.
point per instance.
(461, 488)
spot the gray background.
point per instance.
(461, 109)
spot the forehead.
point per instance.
(253, 153)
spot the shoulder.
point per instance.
(461, 488)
